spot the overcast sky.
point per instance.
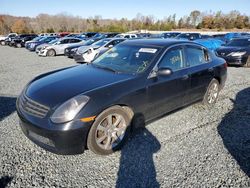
(120, 8)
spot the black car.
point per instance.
(189, 36)
(70, 51)
(96, 105)
(18, 39)
(22, 39)
(236, 52)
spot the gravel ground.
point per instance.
(193, 147)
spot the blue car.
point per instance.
(211, 44)
(44, 40)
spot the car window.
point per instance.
(196, 56)
(173, 59)
(74, 40)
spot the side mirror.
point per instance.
(164, 71)
(110, 46)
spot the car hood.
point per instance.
(229, 49)
(55, 88)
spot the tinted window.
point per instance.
(74, 40)
(196, 56)
(173, 59)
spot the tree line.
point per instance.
(64, 22)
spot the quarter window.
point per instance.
(196, 56)
(173, 59)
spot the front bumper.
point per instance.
(240, 61)
(42, 52)
(65, 139)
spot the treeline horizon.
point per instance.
(45, 23)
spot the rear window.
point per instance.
(196, 56)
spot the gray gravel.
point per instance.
(193, 147)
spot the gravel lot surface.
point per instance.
(193, 147)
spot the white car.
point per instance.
(43, 46)
(2, 38)
(59, 47)
(126, 35)
(86, 54)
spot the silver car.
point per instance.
(58, 47)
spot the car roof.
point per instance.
(156, 42)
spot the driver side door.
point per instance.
(167, 93)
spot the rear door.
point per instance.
(166, 93)
(200, 69)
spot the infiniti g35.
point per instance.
(96, 105)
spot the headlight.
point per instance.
(68, 110)
(236, 54)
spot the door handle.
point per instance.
(185, 77)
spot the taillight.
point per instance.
(225, 65)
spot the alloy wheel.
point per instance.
(110, 131)
(213, 93)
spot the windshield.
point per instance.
(89, 42)
(53, 41)
(239, 43)
(127, 59)
(101, 42)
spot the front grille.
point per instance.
(32, 107)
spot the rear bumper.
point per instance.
(61, 141)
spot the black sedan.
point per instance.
(22, 39)
(96, 105)
(236, 52)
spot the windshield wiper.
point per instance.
(105, 68)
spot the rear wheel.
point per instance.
(51, 53)
(248, 62)
(212, 93)
(2, 43)
(109, 131)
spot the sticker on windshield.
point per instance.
(148, 50)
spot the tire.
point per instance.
(212, 93)
(248, 62)
(2, 43)
(51, 53)
(18, 45)
(107, 134)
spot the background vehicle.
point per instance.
(11, 35)
(86, 54)
(22, 39)
(43, 46)
(210, 43)
(189, 36)
(126, 36)
(44, 40)
(58, 47)
(96, 104)
(170, 35)
(236, 52)
(70, 51)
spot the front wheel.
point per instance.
(212, 93)
(109, 131)
(2, 43)
(51, 53)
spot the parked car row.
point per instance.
(85, 47)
